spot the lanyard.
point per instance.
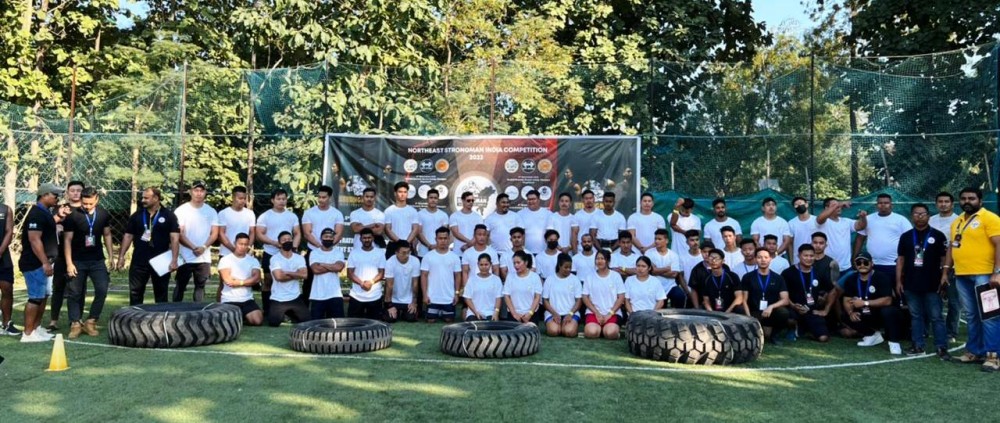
(747, 269)
(44, 208)
(864, 294)
(149, 224)
(958, 236)
(90, 222)
(718, 283)
(926, 237)
(805, 286)
(763, 282)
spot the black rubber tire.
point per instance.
(340, 336)
(695, 337)
(490, 339)
(174, 325)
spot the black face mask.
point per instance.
(286, 246)
(327, 243)
(801, 209)
(969, 208)
(552, 245)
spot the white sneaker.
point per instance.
(34, 337)
(871, 341)
(45, 333)
(895, 348)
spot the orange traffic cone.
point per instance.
(58, 362)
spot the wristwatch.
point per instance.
(866, 303)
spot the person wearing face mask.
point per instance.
(271, 223)
(975, 255)
(771, 224)
(325, 297)
(802, 227)
(288, 269)
(87, 235)
(682, 220)
(583, 262)
(151, 231)
(545, 262)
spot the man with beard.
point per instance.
(713, 229)
(500, 222)
(583, 262)
(942, 221)
(38, 236)
(682, 219)
(869, 306)
(151, 231)
(608, 223)
(585, 217)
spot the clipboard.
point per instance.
(161, 263)
(988, 299)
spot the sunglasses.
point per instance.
(862, 262)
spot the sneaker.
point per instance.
(871, 341)
(52, 327)
(914, 350)
(10, 330)
(992, 363)
(90, 327)
(942, 353)
(75, 330)
(952, 340)
(34, 337)
(970, 358)
(895, 348)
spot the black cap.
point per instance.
(863, 255)
(198, 184)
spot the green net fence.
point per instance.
(785, 123)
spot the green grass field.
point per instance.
(258, 378)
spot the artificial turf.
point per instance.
(258, 378)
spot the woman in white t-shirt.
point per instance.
(562, 293)
(643, 292)
(483, 292)
(523, 290)
(604, 296)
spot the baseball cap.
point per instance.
(48, 188)
(198, 184)
(863, 255)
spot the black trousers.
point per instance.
(59, 281)
(326, 309)
(76, 289)
(200, 272)
(139, 275)
(295, 309)
(777, 320)
(883, 318)
(366, 310)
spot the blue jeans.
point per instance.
(983, 336)
(924, 306)
(954, 308)
(37, 283)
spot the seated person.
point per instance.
(870, 308)
(766, 297)
(562, 292)
(604, 295)
(812, 294)
(483, 291)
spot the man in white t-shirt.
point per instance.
(365, 270)
(326, 300)
(683, 219)
(507, 259)
(234, 220)
(429, 220)
(585, 217)
(838, 231)
(314, 221)
(470, 258)
(583, 262)
(644, 223)
(608, 223)
(666, 268)
(882, 233)
(748, 262)
(368, 216)
(778, 263)
(402, 276)
(269, 225)
(942, 221)
(771, 224)
(623, 259)
(401, 223)
(713, 229)
(288, 269)
(500, 222)
(463, 224)
(239, 272)
(199, 225)
(564, 222)
(802, 227)
(441, 279)
(535, 218)
(734, 255)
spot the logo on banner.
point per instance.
(442, 191)
(544, 193)
(594, 186)
(442, 165)
(512, 192)
(426, 165)
(483, 190)
(356, 185)
(422, 191)
(525, 190)
(545, 165)
(411, 192)
(528, 165)
(510, 166)
(410, 166)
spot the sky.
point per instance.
(775, 13)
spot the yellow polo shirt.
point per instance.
(976, 253)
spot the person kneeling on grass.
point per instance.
(643, 292)
(326, 300)
(766, 296)
(812, 294)
(523, 290)
(365, 269)
(402, 276)
(869, 305)
(719, 289)
(441, 278)
(562, 292)
(483, 292)
(288, 269)
(239, 272)
(604, 295)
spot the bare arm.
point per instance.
(261, 232)
(310, 238)
(9, 232)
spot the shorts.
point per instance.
(440, 311)
(39, 285)
(591, 318)
(247, 307)
(576, 317)
(7, 274)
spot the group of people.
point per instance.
(558, 269)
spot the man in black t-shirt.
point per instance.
(38, 238)
(7, 272)
(87, 233)
(812, 294)
(69, 204)
(766, 296)
(719, 290)
(918, 277)
(869, 305)
(152, 231)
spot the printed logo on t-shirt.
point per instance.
(871, 289)
(32, 225)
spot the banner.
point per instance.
(483, 165)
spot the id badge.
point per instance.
(718, 304)
(866, 310)
(918, 260)
(763, 305)
(88, 241)
(147, 235)
(809, 299)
